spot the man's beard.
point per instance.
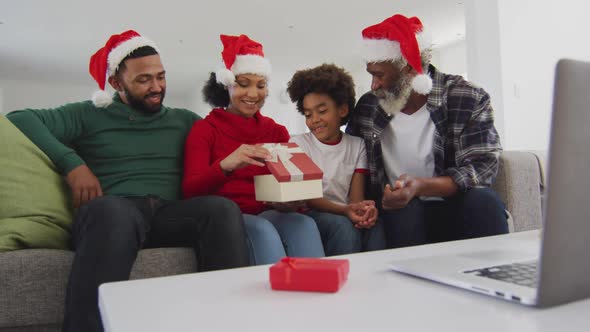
(141, 105)
(394, 100)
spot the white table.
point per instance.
(373, 299)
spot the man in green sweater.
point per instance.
(122, 158)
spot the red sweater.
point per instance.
(214, 138)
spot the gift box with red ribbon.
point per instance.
(309, 274)
(294, 175)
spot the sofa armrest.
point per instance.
(519, 184)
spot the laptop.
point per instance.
(560, 272)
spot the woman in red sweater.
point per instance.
(223, 154)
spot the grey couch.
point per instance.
(33, 282)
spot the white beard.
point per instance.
(392, 103)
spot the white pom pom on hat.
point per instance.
(225, 76)
(101, 98)
(107, 59)
(422, 83)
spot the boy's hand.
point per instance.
(371, 215)
(362, 214)
(355, 212)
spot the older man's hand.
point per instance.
(405, 189)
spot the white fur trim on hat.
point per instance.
(101, 98)
(251, 64)
(422, 84)
(225, 77)
(117, 54)
(378, 50)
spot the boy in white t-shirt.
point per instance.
(347, 222)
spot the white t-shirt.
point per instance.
(338, 162)
(407, 144)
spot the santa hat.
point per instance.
(105, 62)
(241, 55)
(395, 37)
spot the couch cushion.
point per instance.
(518, 184)
(34, 208)
(33, 282)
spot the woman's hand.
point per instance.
(243, 156)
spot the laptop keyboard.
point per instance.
(524, 274)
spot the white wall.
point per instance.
(26, 94)
(482, 41)
(512, 48)
(451, 58)
(534, 35)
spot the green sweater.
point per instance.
(131, 153)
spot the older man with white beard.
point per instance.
(431, 143)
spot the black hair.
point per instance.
(326, 79)
(137, 53)
(215, 94)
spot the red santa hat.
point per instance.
(105, 62)
(395, 37)
(241, 55)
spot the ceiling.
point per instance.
(53, 40)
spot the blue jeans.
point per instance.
(475, 213)
(340, 237)
(108, 232)
(273, 235)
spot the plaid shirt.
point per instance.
(466, 144)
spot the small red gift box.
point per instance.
(294, 175)
(309, 274)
